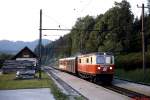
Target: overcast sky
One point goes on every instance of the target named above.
(19, 19)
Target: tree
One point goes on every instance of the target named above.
(118, 32)
(119, 21)
(81, 36)
(3, 57)
(148, 4)
(36, 50)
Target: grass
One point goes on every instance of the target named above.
(79, 98)
(7, 81)
(136, 75)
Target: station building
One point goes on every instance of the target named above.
(26, 54)
(25, 59)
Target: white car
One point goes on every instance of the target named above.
(27, 74)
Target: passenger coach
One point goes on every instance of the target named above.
(68, 64)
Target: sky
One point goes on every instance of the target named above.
(19, 19)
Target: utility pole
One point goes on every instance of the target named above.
(40, 43)
(143, 39)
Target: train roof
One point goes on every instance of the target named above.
(68, 58)
(96, 53)
(84, 55)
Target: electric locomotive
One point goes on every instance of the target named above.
(94, 66)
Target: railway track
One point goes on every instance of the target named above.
(141, 83)
(126, 92)
(69, 91)
(123, 91)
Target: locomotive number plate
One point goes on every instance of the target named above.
(105, 68)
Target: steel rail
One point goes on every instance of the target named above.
(123, 91)
(67, 87)
(126, 92)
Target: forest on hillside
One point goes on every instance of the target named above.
(117, 31)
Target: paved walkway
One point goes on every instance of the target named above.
(88, 89)
(26, 94)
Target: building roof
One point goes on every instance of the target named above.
(25, 53)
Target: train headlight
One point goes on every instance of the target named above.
(110, 68)
(99, 68)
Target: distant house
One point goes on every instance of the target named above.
(26, 54)
(25, 59)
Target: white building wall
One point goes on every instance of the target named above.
(29, 59)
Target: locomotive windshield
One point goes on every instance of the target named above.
(105, 59)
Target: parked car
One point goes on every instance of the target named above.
(26, 74)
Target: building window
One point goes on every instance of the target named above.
(26, 56)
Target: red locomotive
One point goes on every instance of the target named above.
(94, 66)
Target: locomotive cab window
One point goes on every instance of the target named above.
(105, 59)
(109, 60)
(100, 60)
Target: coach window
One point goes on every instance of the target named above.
(87, 60)
(79, 60)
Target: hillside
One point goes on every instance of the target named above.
(7, 46)
(117, 31)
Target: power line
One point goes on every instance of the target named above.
(51, 35)
(71, 29)
(59, 24)
(86, 5)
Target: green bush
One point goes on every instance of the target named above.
(4, 57)
(134, 75)
(131, 61)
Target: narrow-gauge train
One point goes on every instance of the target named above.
(94, 66)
